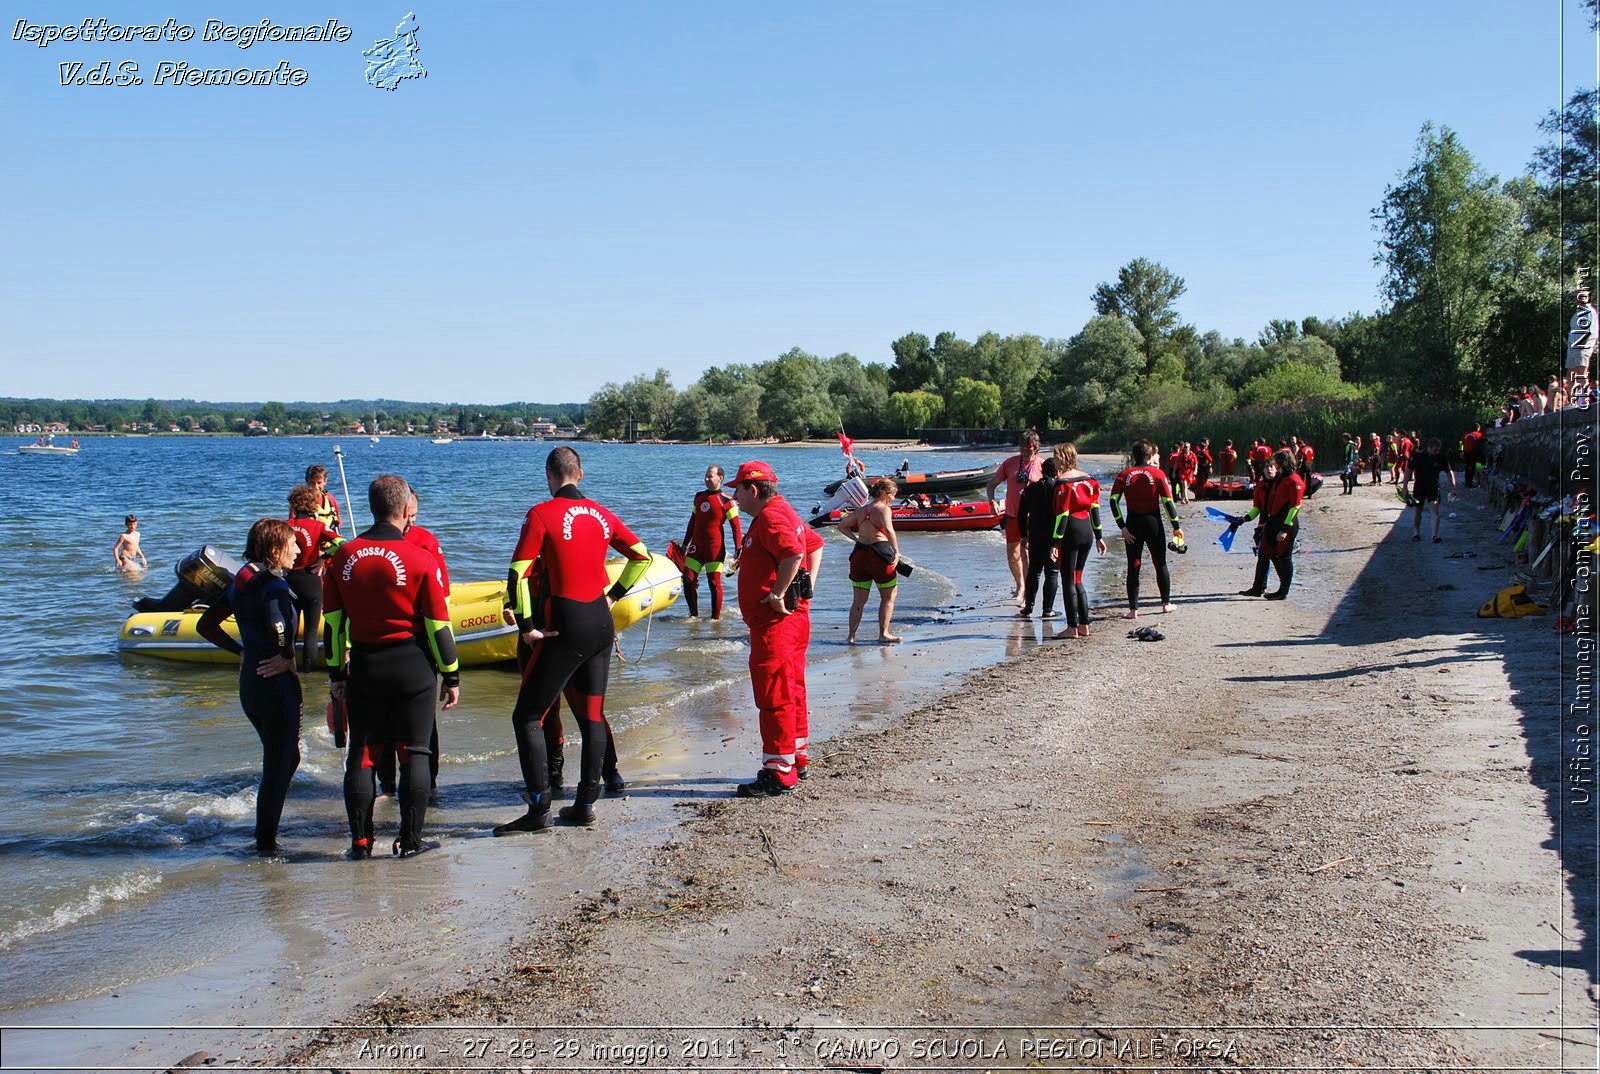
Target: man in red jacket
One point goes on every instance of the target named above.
(770, 562)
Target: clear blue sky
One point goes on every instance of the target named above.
(581, 192)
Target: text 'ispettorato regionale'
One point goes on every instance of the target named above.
(179, 72)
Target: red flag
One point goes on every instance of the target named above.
(846, 444)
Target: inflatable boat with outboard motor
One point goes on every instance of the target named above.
(166, 628)
(945, 481)
(921, 513)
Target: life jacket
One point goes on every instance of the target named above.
(1511, 602)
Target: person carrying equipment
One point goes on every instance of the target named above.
(1147, 492)
(1422, 476)
(703, 547)
(567, 537)
(874, 558)
(1276, 502)
(385, 604)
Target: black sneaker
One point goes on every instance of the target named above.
(802, 771)
(1416, 537)
(528, 822)
(1438, 540)
(1278, 594)
(360, 849)
(1251, 592)
(410, 848)
(765, 785)
(615, 784)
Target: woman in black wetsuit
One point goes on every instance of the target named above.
(261, 602)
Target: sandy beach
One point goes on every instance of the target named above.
(1326, 832)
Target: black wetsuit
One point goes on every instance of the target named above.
(1036, 521)
(1426, 470)
(264, 608)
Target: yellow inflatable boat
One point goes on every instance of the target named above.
(482, 637)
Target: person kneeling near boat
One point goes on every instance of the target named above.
(873, 560)
(1277, 503)
(260, 601)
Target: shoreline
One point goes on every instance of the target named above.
(1192, 836)
(1075, 835)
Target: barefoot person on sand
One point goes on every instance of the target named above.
(1015, 474)
(1146, 490)
(873, 559)
(1077, 508)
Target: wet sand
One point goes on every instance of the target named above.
(1343, 811)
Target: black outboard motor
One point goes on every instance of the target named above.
(202, 576)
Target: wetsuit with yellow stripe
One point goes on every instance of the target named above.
(1146, 492)
(566, 537)
(1277, 504)
(386, 609)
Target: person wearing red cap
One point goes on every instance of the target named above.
(774, 552)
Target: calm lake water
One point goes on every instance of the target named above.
(129, 783)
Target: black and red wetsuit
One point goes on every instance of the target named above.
(1146, 490)
(1036, 519)
(567, 537)
(316, 542)
(385, 604)
(703, 547)
(1276, 503)
(262, 604)
(426, 541)
(1077, 511)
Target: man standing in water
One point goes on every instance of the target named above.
(384, 601)
(874, 558)
(774, 551)
(703, 547)
(1016, 473)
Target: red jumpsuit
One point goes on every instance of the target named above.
(777, 642)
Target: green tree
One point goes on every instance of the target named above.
(911, 411)
(1145, 295)
(1293, 382)
(1568, 167)
(914, 367)
(974, 402)
(1017, 361)
(1444, 231)
(858, 396)
(273, 415)
(1097, 370)
(795, 401)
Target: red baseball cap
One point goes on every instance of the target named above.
(755, 471)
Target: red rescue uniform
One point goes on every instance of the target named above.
(777, 642)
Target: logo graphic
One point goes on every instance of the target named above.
(169, 629)
(391, 62)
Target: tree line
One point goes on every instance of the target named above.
(383, 416)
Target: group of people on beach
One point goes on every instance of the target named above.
(383, 599)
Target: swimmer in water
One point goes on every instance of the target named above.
(127, 549)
